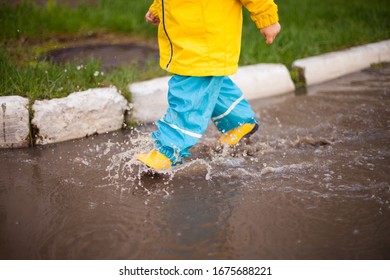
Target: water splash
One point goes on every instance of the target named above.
(125, 171)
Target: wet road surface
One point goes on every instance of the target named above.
(313, 183)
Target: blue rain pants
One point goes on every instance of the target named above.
(193, 101)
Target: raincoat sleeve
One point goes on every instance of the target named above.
(155, 8)
(263, 12)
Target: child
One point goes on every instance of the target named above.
(199, 42)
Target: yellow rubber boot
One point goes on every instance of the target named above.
(155, 160)
(232, 137)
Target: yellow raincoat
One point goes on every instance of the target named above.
(203, 37)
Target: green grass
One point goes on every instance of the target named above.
(28, 19)
(312, 27)
(309, 27)
(46, 80)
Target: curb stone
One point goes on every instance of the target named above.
(318, 69)
(14, 122)
(149, 99)
(78, 115)
(263, 80)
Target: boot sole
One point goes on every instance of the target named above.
(250, 133)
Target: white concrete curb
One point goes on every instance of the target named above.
(14, 122)
(256, 81)
(263, 80)
(149, 99)
(78, 115)
(332, 65)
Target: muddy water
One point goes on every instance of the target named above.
(312, 184)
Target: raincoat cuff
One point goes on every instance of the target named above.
(155, 8)
(265, 20)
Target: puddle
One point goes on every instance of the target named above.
(110, 55)
(313, 183)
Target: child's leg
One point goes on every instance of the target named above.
(191, 104)
(232, 109)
